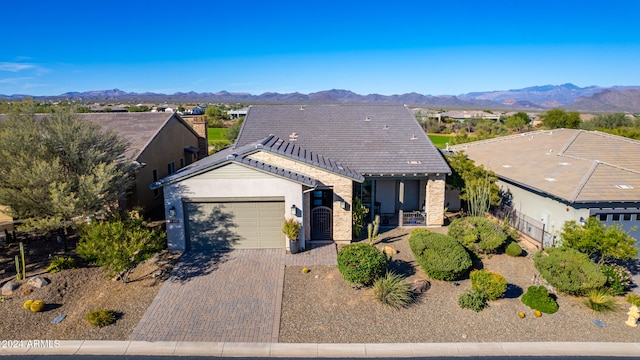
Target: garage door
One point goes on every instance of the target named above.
(237, 225)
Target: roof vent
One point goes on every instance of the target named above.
(414, 162)
(624, 187)
(366, 118)
(564, 163)
(551, 179)
(414, 137)
(293, 137)
(301, 107)
(386, 127)
(506, 166)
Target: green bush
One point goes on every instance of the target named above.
(538, 298)
(120, 243)
(568, 270)
(392, 290)
(472, 300)
(361, 263)
(61, 263)
(598, 300)
(489, 284)
(101, 318)
(618, 278)
(633, 299)
(440, 256)
(513, 249)
(477, 234)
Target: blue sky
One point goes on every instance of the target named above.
(392, 47)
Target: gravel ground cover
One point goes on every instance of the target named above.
(320, 307)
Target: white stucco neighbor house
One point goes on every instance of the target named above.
(553, 176)
(309, 163)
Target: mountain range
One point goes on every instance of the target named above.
(536, 98)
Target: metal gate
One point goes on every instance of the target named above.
(321, 223)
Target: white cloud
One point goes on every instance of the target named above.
(15, 67)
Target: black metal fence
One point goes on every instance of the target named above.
(525, 224)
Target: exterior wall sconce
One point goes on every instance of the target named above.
(582, 221)
(172, 211)
(343, 204)
(294, 210)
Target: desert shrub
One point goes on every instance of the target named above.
(392, 290)
(618, 278)
(599, 300)
(37, 306)
(27, 304)
(361, 263)
(120, 243)
(477, 234)
(59, 263)
(489, 284)
(101, 318)
(633, 299)
(538, 298)
(440, 256)
(568, 270)
(472, 300)
(513, 249)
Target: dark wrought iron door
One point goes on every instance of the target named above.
(321, 223)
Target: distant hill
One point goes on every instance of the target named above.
(536, 98)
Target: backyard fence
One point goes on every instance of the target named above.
(525, 224)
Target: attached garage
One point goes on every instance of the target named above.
(237, 224)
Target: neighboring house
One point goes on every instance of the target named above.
(161, 143)
(236, 114)
(6, 221)
(462, 115)
(553, 176)
(307, 162)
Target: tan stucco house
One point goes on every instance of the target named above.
(307, 162)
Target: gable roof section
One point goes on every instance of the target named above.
(271, 144)
(369, 139)
(138, 129)
(576, 166)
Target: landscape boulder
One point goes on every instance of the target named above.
(37, 282)
(9, 287)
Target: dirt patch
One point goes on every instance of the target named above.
(320, 307)
(74, 293)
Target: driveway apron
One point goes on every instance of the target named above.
(221, 297)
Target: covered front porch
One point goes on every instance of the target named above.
(403, 201)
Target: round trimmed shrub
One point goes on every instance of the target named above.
(538, 298)
(27, 304)
(489, 284)
(37, 306)
(569, 270)
(440, 256)
(472, 300)
(101, 318)
(513, 249)
(361, 263)
(478, 234)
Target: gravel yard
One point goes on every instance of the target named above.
(320, 307)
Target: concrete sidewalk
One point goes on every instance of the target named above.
(276, 350)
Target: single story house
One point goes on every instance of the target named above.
(549, 177)
(309, 162)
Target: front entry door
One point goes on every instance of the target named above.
(322, 214)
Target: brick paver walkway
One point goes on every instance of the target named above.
(236, 298)
(320, 254)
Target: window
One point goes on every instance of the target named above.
(626, 217)
(616, 217)
(602, 217)
(156, 192)
(171, 168)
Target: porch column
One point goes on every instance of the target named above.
(435, 199)
(373, 201)
(401, 201)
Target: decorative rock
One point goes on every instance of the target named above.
(37, 282)
(9, 287)
(420, 286)
(389, 250)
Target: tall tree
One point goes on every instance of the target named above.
(558, 118)
(517, 121)
(61, 169)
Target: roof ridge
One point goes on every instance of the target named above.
(570, 142)
(501, 138)
(584, 180)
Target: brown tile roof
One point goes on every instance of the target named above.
(573, 165)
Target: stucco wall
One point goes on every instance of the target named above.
(342, 190)
(167, 146)
(207, 186)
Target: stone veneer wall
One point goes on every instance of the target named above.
(435, 200)
(342, 190)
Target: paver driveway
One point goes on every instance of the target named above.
(221, 297)
(225, 297)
